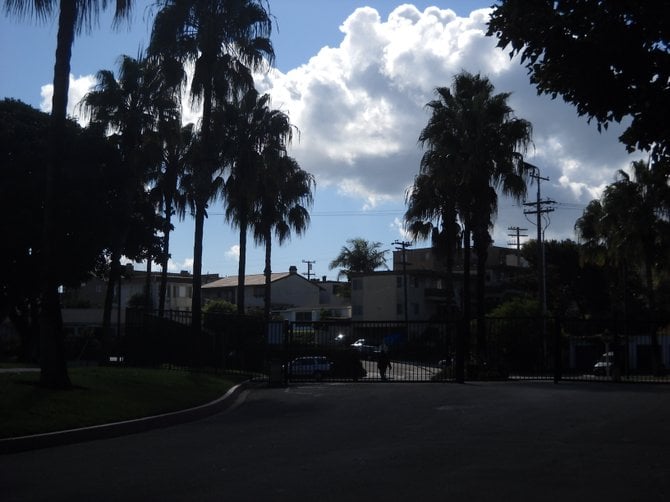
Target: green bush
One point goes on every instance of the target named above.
(220, 307)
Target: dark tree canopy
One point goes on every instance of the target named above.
(83, 212)
(609, 59)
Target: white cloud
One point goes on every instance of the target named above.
(398, 225)
(186, 264)
(79, 86)
(233, 253)
(360, 107)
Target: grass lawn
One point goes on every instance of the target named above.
(101, 395)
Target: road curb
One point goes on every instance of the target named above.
(115, 429)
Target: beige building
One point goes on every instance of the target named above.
(83, 306)
(382, 296)
(293, 296)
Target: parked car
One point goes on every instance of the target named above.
(604, 365)
(310, 367)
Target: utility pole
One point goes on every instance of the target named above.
(402, 246)
(517, 233)
(541, 207)
(309, 273)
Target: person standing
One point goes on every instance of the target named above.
(383, 364)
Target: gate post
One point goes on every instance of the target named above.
(557, 350)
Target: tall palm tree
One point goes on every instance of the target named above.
(252, 130)
(177, 146)
(73, 16)
(285, 194)
(361, 256)
(224, 40)
(627, 228)
(432, 214)
(473, 143)
(129, 107)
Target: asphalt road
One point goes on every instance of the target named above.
(378, 441)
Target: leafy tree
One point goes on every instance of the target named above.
(73, 16)
(224, 40)
(575, 288)
(609, 59)
(361, 256)
(285, 194)
(84, 185)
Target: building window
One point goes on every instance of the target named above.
(416, 282)
(415, 308)
(357, 310)
(356, 284)
(398, 308)
(259, 291)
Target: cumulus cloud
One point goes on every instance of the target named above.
(79, 86)
(360, 107)
(361, 104)
(233, 253)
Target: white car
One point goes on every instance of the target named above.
(310, 366)
(604, 365)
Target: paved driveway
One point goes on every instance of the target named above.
(384, 441)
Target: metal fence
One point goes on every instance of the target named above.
(500, 349)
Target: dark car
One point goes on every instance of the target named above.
(310, 367)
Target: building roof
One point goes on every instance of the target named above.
(249, 280)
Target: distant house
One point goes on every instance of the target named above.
(83, 305)
(294, 297)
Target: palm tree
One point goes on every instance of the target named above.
(627, 228)
(432, 214)
(361, 256)
(177, 146)
(130, 108)
(285, 193)
(224, 39)
(251, 128)
(473, 142)
(73, 16)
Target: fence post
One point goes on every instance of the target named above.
(286, 330)
(557, 350)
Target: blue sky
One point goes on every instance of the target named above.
(354, 77)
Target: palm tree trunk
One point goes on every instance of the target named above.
(241, 269)
(482, 254)
(112, 281)
(196, 298)
(464, 332)
(53, 367)
(165, 255)
(148, 300)
(267, 298)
